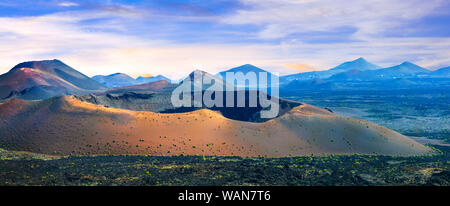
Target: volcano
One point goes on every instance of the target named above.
(43, 79)
(66, 125)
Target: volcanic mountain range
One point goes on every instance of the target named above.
(43, 79)
(121, 80)
(85, 117)
(362, 70)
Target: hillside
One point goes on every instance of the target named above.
(442, 72)
(44, 79)
(65, 125)
(58, 68)
(160, 101)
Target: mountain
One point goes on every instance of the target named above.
(159, 100)
(442, 72)
(142, 80)
(315, 84)
(199, 83)
(67, 126)
(351, 75)
(43, 79)
(115, 80)
(359, 64)
(406, 69)
(306, 76)
(147, 87)
(157, 97)
(122, 80)
(245, 69)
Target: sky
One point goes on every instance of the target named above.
(175, 37)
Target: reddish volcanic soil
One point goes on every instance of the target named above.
(43, 79)
(27, 77)
(65, 125)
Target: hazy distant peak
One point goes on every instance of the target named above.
(115, 80)
(446, 69)
(357, 64)
(442, 71)
(119, 75)
(407, 63)
(360, 59)
(244, 69)
(248, 66)
(115, 76)
(148, 79)
(410, 67)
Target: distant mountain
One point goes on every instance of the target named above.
(306, 76)
(147, 87)
(315, 84)
(198, 83)
(43, 79)
(143, 80)
(157, 97)
(115, 80)
(123, 80)
(245, 69)
(351, 75)
(442, 72)
(359, 64)
(406, 69)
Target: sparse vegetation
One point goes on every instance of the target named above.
(213, 170)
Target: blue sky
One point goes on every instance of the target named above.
(175, 37)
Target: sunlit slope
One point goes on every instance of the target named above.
(65, 125)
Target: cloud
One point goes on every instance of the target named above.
(68, 4)
(104, 39)
(66, 37)
(371, 18)
(55, 35)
